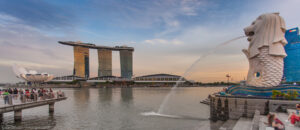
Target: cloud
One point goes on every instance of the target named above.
(28, 46)
(37, 13)
(7, 62)
(189, 7)
(4, 18)
(163, 42)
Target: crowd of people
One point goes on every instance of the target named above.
(294, 119)
(29, 94)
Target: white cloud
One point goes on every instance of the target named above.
(189, 7)
(163, 42)
(8, 18)
(6, 62)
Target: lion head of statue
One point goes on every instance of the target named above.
(267, 30)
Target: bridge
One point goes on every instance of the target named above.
(17, 105)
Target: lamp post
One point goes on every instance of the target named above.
(228, 76)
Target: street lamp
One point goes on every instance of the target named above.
(228, 76)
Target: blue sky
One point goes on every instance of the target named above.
(168, 35)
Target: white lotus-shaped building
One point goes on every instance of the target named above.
(31, 75)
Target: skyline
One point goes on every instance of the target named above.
(168, 35)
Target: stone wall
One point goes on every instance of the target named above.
(224, 108)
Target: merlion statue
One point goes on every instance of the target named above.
(266, 50)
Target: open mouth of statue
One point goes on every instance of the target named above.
(250, 34)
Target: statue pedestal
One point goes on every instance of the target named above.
(235, 107)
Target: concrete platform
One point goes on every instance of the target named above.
(281, 116)
(27, 105)
(17, 108)
(243, 124)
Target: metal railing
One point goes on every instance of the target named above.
(14, 99)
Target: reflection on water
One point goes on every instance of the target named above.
(105, 94)
(126, 94)
(81, 97)
(119, 108)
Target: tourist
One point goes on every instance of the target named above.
(10, 91)
(32, 95)
(59, 94)
(46, 94)
(21, 92)
(22, 96)
(27, 94)
(40, 93)
(274, 122)
(294, 118)
(51, 93)
(15, 92)
(6, 98)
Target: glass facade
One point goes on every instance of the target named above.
(126, 63)
(292, 61)
(81, 62)
(87, 70)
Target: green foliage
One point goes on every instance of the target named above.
(275, 93)
(290, 95)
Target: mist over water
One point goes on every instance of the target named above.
(187, 72)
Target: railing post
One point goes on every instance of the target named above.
(18, 115)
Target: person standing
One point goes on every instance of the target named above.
(6, 98)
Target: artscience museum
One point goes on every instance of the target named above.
(31, 76)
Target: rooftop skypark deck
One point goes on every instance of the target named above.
(93, 46)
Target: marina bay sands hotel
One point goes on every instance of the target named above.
(81, 59)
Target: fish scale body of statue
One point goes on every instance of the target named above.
(266, 50)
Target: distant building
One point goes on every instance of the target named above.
(81, 59)
(292, 61)
(81, 62)
(31, 76)
(108, 79)
(126, 64)
(158, 78)
(69, 78)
